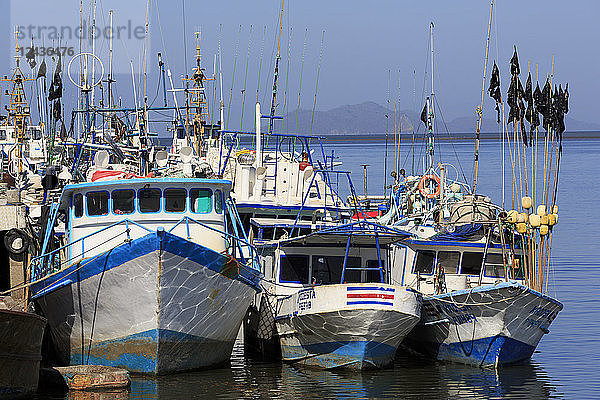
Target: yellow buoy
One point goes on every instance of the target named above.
(521, 227)
(551, 219)
(534, 220)
(543, 230)
(455, 188)
(512, 216)
(555, 209)
(522, 218)
(541, 210)
(526, 202)
(544, 220)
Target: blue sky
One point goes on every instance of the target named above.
(363, 41)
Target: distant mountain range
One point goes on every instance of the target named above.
(370, 117)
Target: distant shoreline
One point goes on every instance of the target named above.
(405, 136)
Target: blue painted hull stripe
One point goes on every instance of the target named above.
(385, 303)
(381, 289)
(341, 354)
(140, 247)
(493, 350)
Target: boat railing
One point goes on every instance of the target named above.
(246, 251)
(326, 174)
(51, 262)
(279, 138)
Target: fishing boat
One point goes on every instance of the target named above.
(482, 269)
(151, 276)
(334, 306)
(477, 307)
(143, 263)
(328, 291)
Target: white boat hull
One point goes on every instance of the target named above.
(159, 304)
(354, 326)
(490, 325)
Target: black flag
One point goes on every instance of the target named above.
(30, 57)
(566, 99)
(531, 114)
(42, 70)
(528, 96)
(545, 106)
(513, 99)
(56, 110)
(55, 91)
(494, 89)
(63, 131)
(424, 115)
(514, 64)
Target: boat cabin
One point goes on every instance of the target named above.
(433, 267)
(101, 214)
(323, 256)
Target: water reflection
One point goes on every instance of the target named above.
(410, 378)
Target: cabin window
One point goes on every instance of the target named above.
(78, 205)
(122, 201)
(328, 269)
(36, 134)
(471, 263)
(175, 200)
(424, 261)
(293, 269)
(494, 266)
(374, 276)
(218, 201)
(449, 261)
(149, 200)
(2, 134)
(180, 132)
(97, 203)
(201, 200)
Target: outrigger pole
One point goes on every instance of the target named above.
(480, 108)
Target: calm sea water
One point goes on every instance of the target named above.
(565, 365)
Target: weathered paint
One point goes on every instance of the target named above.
(490, 325)
(86, 377)
(157, 304)
(323, 326)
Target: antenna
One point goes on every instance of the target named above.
(430, 110)
(277, 58)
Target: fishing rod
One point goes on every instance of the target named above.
(301, 73)
(385, 159)
(317, 82)
(245, 78)
(413, 121)
(237, 42)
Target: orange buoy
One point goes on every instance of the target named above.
(424, 191)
